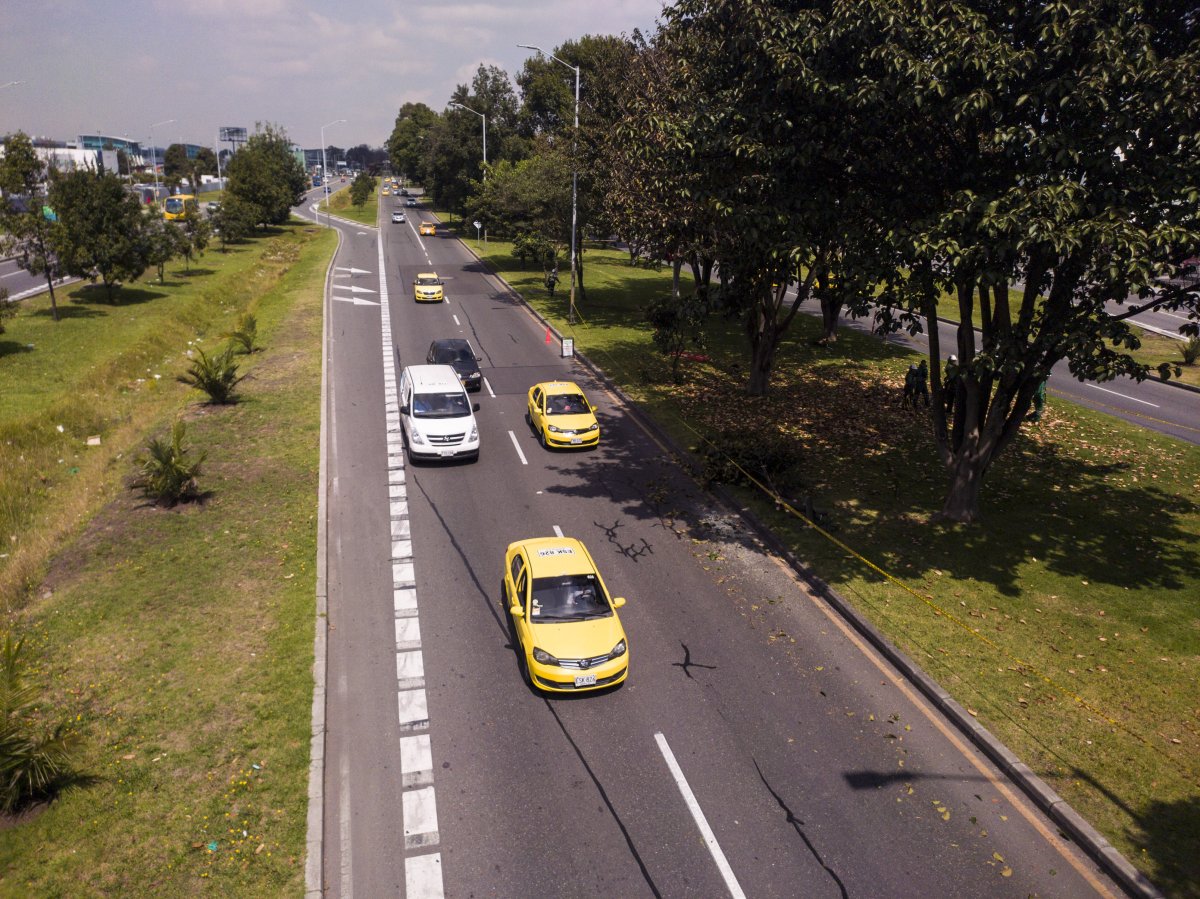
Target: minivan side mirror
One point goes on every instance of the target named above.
(404, 410)
(618, 602)
(475, 407)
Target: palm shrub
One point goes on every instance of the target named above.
(32, 759)
(1191, 351)
(244, 338)
(216, 375)
(168, 474)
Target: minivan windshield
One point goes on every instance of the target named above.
(440, 405)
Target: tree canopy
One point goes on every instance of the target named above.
(266, 175)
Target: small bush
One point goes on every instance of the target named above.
(168, 476)
(729, 457)
(1191, 351)
(216, 375)
(31, 759)
(244, 338)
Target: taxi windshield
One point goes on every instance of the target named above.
(427, 282)
(566, 404)
(569, 597)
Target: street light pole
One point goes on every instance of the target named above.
(154, 155)
(484, 117)
(325, 171)
(574, 174)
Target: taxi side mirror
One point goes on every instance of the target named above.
(618, 602)
(515, 611)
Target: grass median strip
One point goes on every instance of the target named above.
(180, 640)
(1081, 582)
(367, 214)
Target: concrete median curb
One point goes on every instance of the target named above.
(1046, 799)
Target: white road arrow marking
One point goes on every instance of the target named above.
(353, 288)
(356, 301)
(353, 271)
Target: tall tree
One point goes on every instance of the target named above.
(25, 230)
(1063, 159)
(99, 232)
(405, 146)
(175, 163)
(775, 156)
(265, 174)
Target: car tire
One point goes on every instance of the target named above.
(542, 438)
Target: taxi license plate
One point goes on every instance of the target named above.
(585, 680)
(577, 440)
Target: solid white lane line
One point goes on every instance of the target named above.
(557, 531)
(735, 889)
(347, 888)
(488, 385)
(517, 447)
(1124, 396)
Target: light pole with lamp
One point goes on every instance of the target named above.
(484, 117)
(574, 173)
(154, 155)
(325, 170)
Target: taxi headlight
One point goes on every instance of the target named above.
(618, 650)
(554, 428)
(543, 657)
(594, 427)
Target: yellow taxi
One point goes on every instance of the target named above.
(561, 416)
(428, 229)
(568, 634)
(427, 288)
(386, 192)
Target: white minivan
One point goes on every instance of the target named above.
(437, 417)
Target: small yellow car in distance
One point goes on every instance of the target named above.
(428, 229)
(561, 416)
(567, 630)
(427, 288)
(386, 192)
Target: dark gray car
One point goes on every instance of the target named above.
(459, 353)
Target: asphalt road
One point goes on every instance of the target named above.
(1166, 408)
(758, 747)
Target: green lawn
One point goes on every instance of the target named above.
(367, 214)
(178, 641)
(1067, 621)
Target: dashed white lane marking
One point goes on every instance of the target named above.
(557, 531)
(517, 446)
(456, 321)
(488, 385)
(422, 872)
(423, 876)
(1124, 396)
(710, 840)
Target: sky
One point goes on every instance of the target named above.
(121, 67)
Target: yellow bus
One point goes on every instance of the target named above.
(176, 207)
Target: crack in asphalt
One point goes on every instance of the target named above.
(604, 795)
(462, 555)
(799, 827)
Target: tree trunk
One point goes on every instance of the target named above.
(764, 341)
(831, 310)
(53, 300)
(581, 294)
(962, 499)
